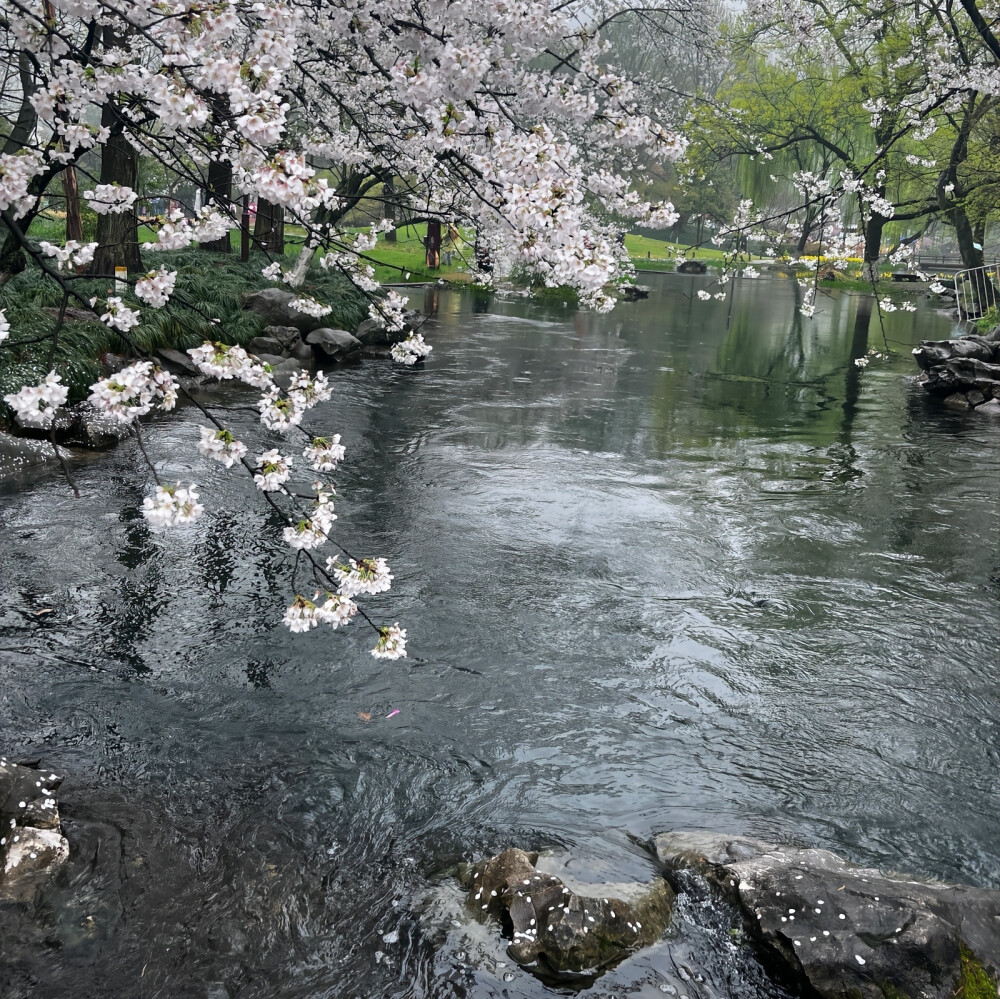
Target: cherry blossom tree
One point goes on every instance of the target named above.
(504, 116)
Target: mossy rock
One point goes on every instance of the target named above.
(973, 981)
(562, 934)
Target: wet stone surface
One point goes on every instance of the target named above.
(847, 930)
(558, 932)
(32, 846)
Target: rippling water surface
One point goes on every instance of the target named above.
(679, 566)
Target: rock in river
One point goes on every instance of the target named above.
(847, 932)
(31, 845)
(558, 933)
(333, 344)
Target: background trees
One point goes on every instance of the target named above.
(889, 107)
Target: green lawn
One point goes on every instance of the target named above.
(403, 261)
(653, 254)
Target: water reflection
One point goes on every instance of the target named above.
(681, 565)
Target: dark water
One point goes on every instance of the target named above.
(679, 566)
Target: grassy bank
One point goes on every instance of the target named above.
(210, 285)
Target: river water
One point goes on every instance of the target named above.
(680, 566)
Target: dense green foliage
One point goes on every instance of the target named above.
(213, 287)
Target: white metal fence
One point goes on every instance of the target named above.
(975, 290)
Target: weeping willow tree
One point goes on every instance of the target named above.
(790, 120)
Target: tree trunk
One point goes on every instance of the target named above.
(297, 276)
(432, 244)
(389, 206)
(269, 227)
(951, 194)
(219, 191)
(219, 186)
(71, 194)
(873, 246)
(966, 238)
(117, 233)
(12, 260)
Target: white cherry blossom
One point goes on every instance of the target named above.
(272, 471)
(172, 505)
(221, 446)
(324, 453)
(391, 643)
(35, 405)
(368, 575)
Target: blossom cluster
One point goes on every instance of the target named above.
(309, 306)
(325, 608)
(368, 575)
(312, 531)
(323, 453)
(225, 362)
(156, 287)
(412, 349)
(220, 445)
(282, 412)
(134, 391)
(118, 315)
(71, 254)
(110, 199)
(35, 405)
(273, 471)
(170, 506)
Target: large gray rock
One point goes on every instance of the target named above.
(31, 845)
(851, 932)
(18, 454)
(965, 372)
(273, 307)
(266, 345)
(273, 359)
(558, 932)
(285, 335)
(175, 361)
(372, 334)
(931, 352)
(301, 351)
(334, 345)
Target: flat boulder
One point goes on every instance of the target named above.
(333, 344)
(18, 454)
(559, 932)
(849, 932)
(177, 362)
(283, 372)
